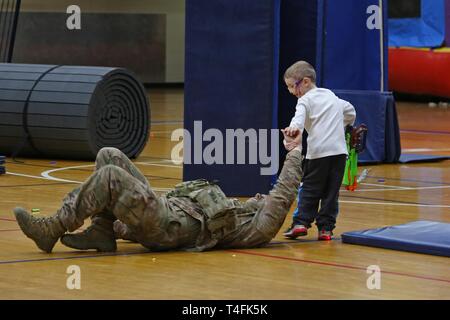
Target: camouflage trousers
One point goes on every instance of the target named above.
(116, 190)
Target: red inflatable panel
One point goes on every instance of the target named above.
(420, 71)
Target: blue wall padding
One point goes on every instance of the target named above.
(428, 237)
(237, 52)
(231, 79)
(376, 110)
(298, 41)
(351, 51)
(426, 31)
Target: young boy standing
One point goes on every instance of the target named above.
(324, 116)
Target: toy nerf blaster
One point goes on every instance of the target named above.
(356, 143)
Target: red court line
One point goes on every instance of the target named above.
(235, 251)
(338, 265)
(7, 219)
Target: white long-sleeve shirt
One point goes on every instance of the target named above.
(324, 116)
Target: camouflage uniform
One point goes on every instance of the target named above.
(195, 215)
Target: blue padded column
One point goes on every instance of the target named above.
(298, 41)
(231, 82)
(377, 110)
(354, 57)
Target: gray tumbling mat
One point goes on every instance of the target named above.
(71, 112)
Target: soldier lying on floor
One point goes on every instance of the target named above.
(195, 215)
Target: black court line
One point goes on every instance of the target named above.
(167, 122)
(36, 185)
(147, 158)
(160, 138)
(253, 253)
(156, 178)
(99, 255)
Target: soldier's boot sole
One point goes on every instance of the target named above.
(94, 238)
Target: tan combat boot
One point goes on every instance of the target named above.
(99, 235)
(44, 231)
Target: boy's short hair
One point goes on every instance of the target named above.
(300, 70)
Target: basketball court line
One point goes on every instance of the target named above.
(411, 180)
(50, 178)
(167, 122)
(424, 132)
(152, 177)
(251, 253)
(35, 185)
(159, 160)
(385, 187)
(403, 189)
(7, 219)
(395, 204)
(387, 200)
(420, 150)
(382, 185)
(159, 165)
(37, 177)
(47, 176)
(339, 265)
(156, 178)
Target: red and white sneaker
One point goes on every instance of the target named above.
(325, 235)
(296, 231)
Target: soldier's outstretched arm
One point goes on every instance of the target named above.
(269, 219)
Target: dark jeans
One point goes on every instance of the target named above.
(321, 183)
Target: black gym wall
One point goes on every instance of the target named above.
(145, 36)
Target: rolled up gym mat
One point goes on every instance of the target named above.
(71, 111)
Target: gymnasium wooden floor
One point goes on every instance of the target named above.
(302, 269)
